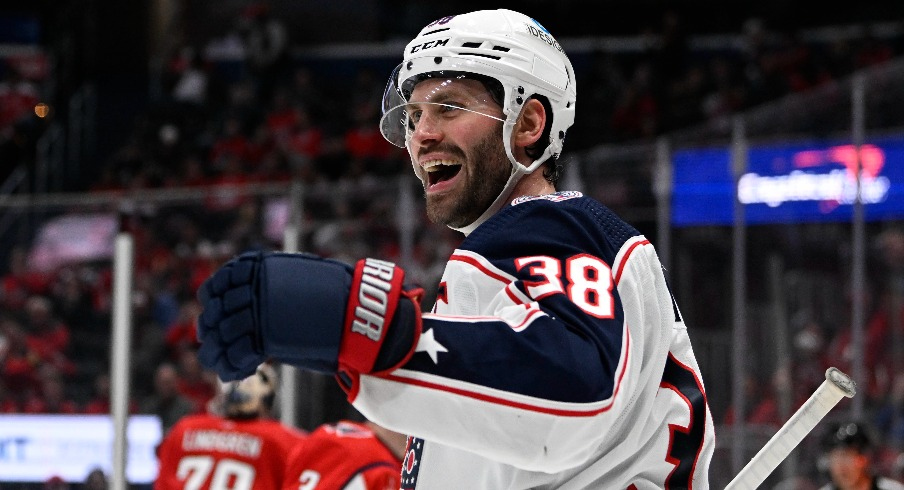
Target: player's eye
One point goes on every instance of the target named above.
(414, 116)
(451, 108)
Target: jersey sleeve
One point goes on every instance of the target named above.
(529, 353)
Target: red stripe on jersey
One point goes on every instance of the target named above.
(481, 267)
(510, 292)
(621, 265)
(519, 405)
(527, 319)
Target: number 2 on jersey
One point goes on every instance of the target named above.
(589, 281)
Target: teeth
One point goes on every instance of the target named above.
(434, 165)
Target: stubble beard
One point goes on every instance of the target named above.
(485, 180)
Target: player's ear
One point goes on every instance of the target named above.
(531, 122)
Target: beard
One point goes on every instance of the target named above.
(489, 170)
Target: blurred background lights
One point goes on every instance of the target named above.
(42, 110)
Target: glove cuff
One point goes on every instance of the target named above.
(382, 323)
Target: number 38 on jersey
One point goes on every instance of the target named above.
(585, 279)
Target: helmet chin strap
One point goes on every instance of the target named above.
(518, 172)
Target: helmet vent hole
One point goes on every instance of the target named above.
(471, 44)
(434, 32)
(501, 48)
(481, 55)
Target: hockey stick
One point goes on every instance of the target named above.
(829, 393)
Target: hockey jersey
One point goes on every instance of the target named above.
(342, 456)
(554, 357)
(210, 452)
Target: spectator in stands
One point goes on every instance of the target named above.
(762, 407)
(52, 397)
(195, 382)
(99, 403)
(368, 152)
(96, 480)
(305, 141)
(18, 96)
(20, 282)
(72, 299)
(182, 336)
(56, 483)
(849, 449)
(306, 91)
(231, 140)
(190, 87)
(8, 403)
(890, 414)
(167, 402)
(884, 336)
(266, 46)
(19, 361)
(636, 114)
(227, 196)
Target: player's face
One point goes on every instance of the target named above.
(847, 467)
(457, 145)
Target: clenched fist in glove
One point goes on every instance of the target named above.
(310, 312)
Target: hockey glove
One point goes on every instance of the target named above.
(310, 312)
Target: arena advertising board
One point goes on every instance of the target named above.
(36, 448)
(789, 183)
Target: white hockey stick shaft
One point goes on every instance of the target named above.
(836, 386)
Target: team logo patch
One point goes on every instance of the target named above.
(412, 462)
(554, 197)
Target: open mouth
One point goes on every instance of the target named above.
(441, 172)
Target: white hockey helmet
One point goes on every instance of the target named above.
(504, 45)
(252, 396)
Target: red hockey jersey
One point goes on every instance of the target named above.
(211, 452)
(344, 456)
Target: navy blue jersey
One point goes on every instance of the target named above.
(555, 357)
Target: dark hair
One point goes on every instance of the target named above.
(851, 435)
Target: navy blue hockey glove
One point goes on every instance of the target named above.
(310, 312)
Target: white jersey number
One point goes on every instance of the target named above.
(589, 281)
(308, 480)
(194, 470)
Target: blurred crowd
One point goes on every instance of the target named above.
(222, 126)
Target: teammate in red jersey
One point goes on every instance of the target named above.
(243, 449)
(347, 456)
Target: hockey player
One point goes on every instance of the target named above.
(849, 452)
(554, 355)
(347, 455)
(243, 449)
